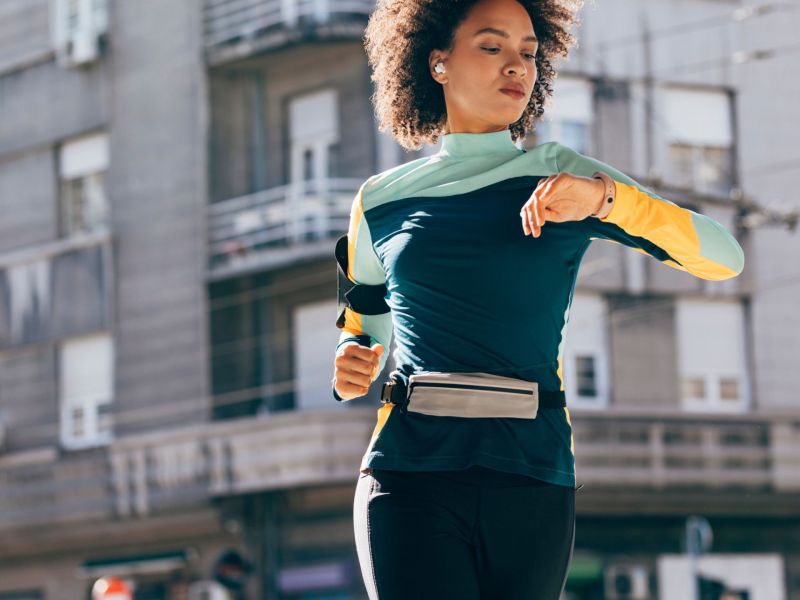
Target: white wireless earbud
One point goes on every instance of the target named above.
(439, 68)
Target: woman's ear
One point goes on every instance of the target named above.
(436, 64)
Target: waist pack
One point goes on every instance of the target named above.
(477, 395)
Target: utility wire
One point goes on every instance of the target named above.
(737, 58)
(737, 15)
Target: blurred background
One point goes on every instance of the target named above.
(173, 176)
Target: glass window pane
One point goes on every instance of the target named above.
(586, 376)
(84, 205)
(104, 417)
(77, 417)
(681, 165)
(713, 172)
(729, 388)
(694, 388)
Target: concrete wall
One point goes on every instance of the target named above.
(158, 187)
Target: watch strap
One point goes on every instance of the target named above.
(610, 189)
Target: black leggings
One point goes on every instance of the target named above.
(466, 535)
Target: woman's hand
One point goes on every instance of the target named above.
(561, 197)
(355, 366)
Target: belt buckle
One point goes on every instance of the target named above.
(394, 391)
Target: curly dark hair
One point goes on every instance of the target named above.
(399, 37)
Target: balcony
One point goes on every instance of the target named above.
(169, 470)
(238, 28)
(628, 463)
(713, 462)
(277, 226)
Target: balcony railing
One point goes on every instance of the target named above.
(251, 24)
(616, 451)
(683, 450)
(293, 215)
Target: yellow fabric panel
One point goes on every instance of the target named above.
(352, 322)
(571, 436)
(566, 410)
(383, 415)
(668, 226)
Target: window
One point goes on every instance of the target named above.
(86, 390)
(699, 139)
(587, 378)
(584, 353)
(313, 139)
(694, 388)
(711, 356)
(314, 343)
(84, 206)
(568, 115)
(729, 388)
(313, 128)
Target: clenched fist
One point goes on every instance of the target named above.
(355, 367)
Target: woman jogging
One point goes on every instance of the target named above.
(469, 259)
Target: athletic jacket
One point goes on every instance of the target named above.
(468, 291)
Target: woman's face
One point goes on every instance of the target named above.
(495, 47)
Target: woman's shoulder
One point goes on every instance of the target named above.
(397, 181)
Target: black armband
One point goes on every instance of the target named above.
(359, 297)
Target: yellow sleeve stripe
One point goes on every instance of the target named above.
(672, 228)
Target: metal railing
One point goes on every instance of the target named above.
(280, 217)
(684, 450)
(232, 21)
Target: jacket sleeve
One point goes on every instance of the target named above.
(363, 267)
(640, 219)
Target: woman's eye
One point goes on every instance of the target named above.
(528, 54)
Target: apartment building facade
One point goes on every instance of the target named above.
(173, 177)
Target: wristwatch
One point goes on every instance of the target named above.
(610, 191)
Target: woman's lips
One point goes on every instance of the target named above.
(514, 94)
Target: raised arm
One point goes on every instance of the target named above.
(362, 314)
(677, 236)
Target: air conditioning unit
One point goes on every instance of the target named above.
(626, 582)
(79, 27)
(81, 48)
